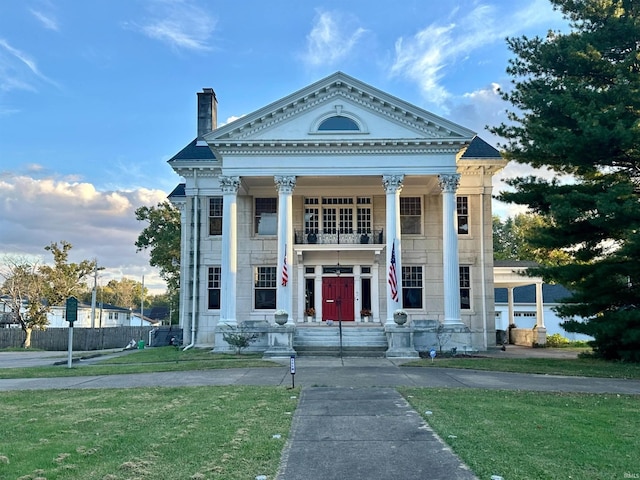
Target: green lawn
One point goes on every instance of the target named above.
(534, 435)
(147, 433)
(161, 359)
(586, 367)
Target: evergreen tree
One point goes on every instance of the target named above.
(576, 99)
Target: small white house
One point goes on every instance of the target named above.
(106, 315)
(524, 309)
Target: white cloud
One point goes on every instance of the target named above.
(179, 23)
(430, 55)
(331, 39)
(99, 224)
(18, 71)
(48, 20)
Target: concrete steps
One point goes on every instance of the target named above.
(325, 341)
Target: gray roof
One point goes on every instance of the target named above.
(179, 191)
(527, 294)
(194, 152)
(478, 148)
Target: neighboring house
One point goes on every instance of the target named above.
(524, 309)
(106, 315)
(341, 198)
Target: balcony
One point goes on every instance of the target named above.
(340, 238)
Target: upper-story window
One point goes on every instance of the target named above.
(410, 215)
(462, 210)
(215, 216)
(338, 123)
(266, 219)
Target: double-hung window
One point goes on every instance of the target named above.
(410, 215)
(265, 288)
(412, 286)
(213, 288)
(364, 215)
(465, 287)
(462, 210)
(215, 216)
(266, 217)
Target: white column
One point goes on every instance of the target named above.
(229, 250)
(284, 291)
(392, 187)
(184, 265)
(451, 264)
(539, 304)
(510, 306)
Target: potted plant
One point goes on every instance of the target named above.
(310, 313)
(312, 237)
(400, 316)
(281, 316)
(365, 314)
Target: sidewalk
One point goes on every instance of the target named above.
(364, 433)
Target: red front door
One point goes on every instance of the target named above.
(337, 299)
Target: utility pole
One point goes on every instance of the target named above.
(94, 293)
(142, 301)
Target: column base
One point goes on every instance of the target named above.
(400, 341)
(280, 341)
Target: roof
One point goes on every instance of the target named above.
(179, 191)
(478, 148)
(527, 294)
(194, 152)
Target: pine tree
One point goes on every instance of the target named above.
(576, 99)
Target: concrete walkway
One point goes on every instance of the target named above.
(364, 433)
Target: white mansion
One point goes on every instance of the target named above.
(339, 204)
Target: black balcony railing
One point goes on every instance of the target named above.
(334, 238)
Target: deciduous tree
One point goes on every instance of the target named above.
(162, 237)
(576, 99)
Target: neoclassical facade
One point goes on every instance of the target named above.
(337, 203)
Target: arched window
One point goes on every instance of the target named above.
(338, 123)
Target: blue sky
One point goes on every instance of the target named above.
(96, 95)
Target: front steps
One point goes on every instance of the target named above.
(357, 341)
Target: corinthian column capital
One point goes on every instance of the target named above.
(392, 183)
(229, 184)
(285, 183)
(449, 182)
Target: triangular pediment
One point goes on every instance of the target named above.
(339, 109)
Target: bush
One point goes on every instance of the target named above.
(556, 340)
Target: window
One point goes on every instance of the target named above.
(338, 122)
(215, 216)
(412, 287)
(462, 209)
(410, 215)
(465, 288)
(311, 218)
(213, 288)
(337, 219)
(364, 215)
(266, 220)
(265, 288)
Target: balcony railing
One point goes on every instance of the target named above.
(310, 238)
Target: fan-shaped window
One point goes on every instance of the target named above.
(338, 122)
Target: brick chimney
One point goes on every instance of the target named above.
(207, 113)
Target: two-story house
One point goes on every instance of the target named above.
(336, 200)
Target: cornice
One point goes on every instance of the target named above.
(280, 113)
(341, 147)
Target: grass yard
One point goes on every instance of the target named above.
(533, 435)
(585, 367)
(160, 359)
(150, 433)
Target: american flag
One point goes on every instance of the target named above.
(285, 274)
(393, 279)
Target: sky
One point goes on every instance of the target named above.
(97, 95)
